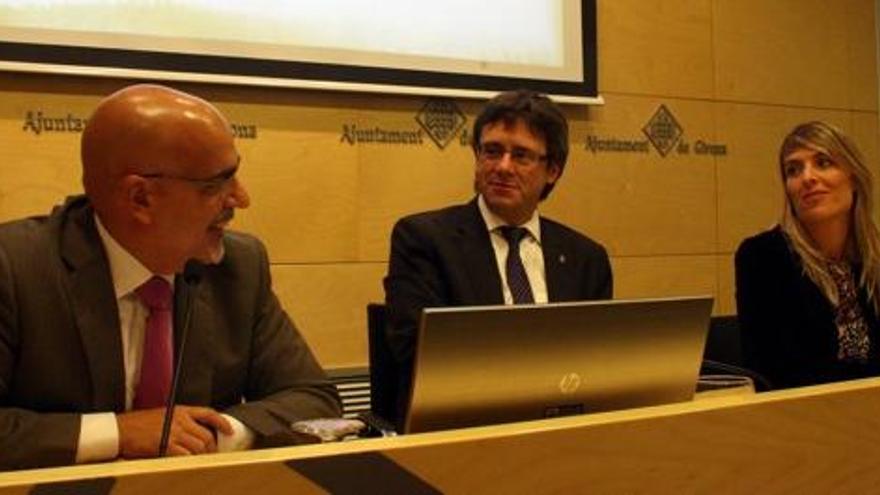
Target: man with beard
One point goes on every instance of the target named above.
(89, 294)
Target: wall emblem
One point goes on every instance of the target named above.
(663, 130)
(569, 383)
(663, 133)
(441, 119)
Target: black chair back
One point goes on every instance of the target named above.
(723, 353)
(384, 373)
(723, 342)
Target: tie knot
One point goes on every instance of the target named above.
(155, 293)
(513, 234)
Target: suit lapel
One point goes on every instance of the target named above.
(561, 283)
(90, 290)
(479, 258)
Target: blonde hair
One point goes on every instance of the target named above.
(863, 242)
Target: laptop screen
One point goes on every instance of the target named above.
(481, 365)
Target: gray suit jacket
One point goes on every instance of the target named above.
(61, 350)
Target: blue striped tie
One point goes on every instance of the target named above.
(517, 280)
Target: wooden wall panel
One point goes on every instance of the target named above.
(725, 302)
(796, 52)
(400, 180)
(38, 168)
(664, 276)
(656, 48)
(862, 55)
(303, 183)
(343, 195)
(303, 186)
(414, 180)
(865, 131)
(640, 203)
(328, 304)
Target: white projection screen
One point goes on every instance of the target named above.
(466, 48)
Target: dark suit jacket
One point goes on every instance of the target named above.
(61, 350)
(445, 258)
(787, 324)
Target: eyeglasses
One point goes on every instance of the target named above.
(210, 185)
(493, 153)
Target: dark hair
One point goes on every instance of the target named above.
(539, 113)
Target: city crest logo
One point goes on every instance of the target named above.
(441, 119)
(663, 130)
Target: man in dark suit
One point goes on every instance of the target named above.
(84, 357)
(495, 249)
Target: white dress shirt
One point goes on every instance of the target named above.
(529, 250)
(99, 432)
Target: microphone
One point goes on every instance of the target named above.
(192, 275)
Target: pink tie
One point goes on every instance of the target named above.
(152, 391)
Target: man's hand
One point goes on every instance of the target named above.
(192, 431)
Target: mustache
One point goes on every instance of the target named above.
(225, 216)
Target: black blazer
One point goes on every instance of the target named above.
(61, 350)
(445, 258)
(787, 324)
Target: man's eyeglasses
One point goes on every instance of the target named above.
(209, 185)
(493, 153)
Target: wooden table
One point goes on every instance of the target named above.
(810, 440)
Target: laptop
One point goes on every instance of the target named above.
(480, 365)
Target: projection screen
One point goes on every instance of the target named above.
(451, 47)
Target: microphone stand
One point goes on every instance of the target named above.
(192, 275)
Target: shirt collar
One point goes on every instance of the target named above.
(126, 271)
(493, 221)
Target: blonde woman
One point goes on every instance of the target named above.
(807, 290)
